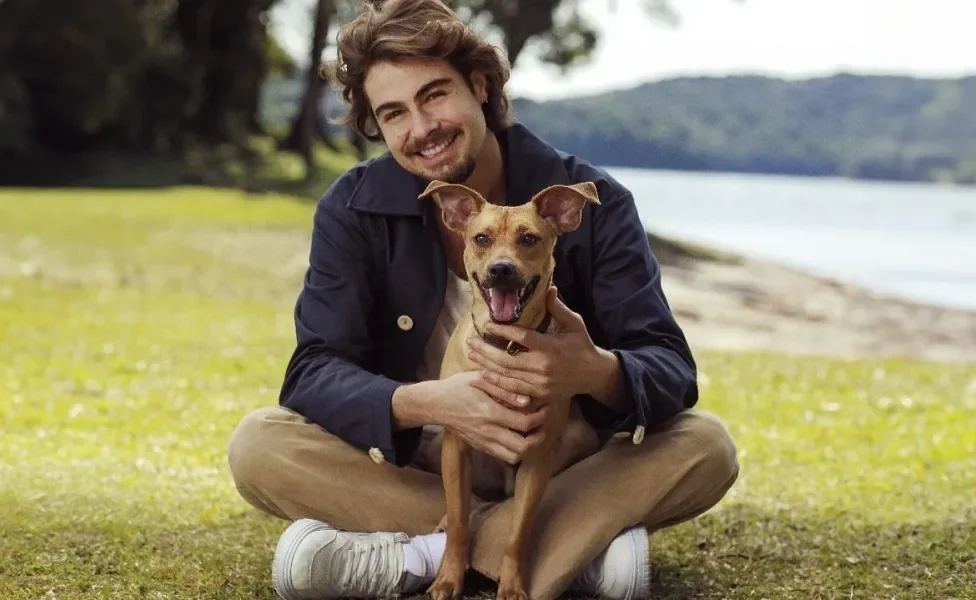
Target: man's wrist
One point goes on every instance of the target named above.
(412, 405)
(608, 382)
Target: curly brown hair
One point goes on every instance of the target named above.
(397, 29)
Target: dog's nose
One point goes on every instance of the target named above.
(501, 271)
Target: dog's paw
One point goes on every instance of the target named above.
(448, 585)
(512, 590)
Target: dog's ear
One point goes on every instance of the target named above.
(458, 203)
(562, 205)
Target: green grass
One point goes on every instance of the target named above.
(139, 326)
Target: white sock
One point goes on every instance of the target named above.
(421, 559)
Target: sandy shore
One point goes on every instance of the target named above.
(726, 302)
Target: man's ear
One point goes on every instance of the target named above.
(458, 203)
(479, 86)
(562, 205)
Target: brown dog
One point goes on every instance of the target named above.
(509, 262)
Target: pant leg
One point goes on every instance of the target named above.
(678, 472)
(289, 467)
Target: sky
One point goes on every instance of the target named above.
(786, 38)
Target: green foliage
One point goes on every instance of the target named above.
(145, 77)
(140, 327)
(569, 43)
(881, 127)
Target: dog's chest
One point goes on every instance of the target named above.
(490, 477)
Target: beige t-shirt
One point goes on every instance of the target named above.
(457, 303)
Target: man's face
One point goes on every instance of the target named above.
(430, 118)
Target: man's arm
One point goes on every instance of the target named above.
(652, 375)
(327, 379)
(609, 386)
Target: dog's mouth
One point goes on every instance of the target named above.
(506, 302)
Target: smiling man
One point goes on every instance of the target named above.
(347, 454)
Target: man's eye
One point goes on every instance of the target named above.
(391, 114)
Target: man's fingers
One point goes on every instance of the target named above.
(501, 453)
(513, 445)
(525, 422)
(499, 393)
(525, 389)
(500, 361)
(563, 318)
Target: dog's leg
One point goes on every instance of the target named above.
(456, 468)
(533, 475)
(578, 441)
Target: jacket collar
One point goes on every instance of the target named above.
(530, 166)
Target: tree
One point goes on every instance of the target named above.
(308, 121)
(132, 77)
(565, 42)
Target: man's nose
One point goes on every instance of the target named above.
(421, 125)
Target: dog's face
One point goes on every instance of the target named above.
(508, 250)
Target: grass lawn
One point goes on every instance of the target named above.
(139, 326)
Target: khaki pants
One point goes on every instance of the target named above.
(286, 466)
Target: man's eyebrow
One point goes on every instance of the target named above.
(423, 90)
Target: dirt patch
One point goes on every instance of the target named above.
(757, 305)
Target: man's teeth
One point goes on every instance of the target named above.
(428, 152)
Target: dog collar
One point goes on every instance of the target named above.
(510, 346)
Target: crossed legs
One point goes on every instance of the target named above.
(286, 466)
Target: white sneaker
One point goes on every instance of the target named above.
(622, 572)
(314, 560)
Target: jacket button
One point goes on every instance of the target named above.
(638, 434)
(404, 322)
(377, 455)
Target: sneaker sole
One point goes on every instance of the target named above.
(284, 555)
(642, 552)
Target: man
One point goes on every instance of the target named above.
(345, 455)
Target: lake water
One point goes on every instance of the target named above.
(916, 241)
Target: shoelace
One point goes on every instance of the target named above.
(372, 567)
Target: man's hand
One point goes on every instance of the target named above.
(559, 364)
(463, 405)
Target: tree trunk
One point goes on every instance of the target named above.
(308, 122)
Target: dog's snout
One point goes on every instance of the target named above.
(501, 271)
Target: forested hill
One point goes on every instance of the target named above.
(877, 127)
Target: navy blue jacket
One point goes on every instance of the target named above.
(376, 283)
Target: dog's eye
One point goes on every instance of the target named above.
(527, 239)
(482, 239)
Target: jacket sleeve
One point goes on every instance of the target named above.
(327, 379)
(659, 370)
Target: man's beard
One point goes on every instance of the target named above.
(458, 173)
(461, 172)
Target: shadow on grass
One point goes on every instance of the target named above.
(258, 168)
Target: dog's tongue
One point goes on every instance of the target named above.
(503, 304)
